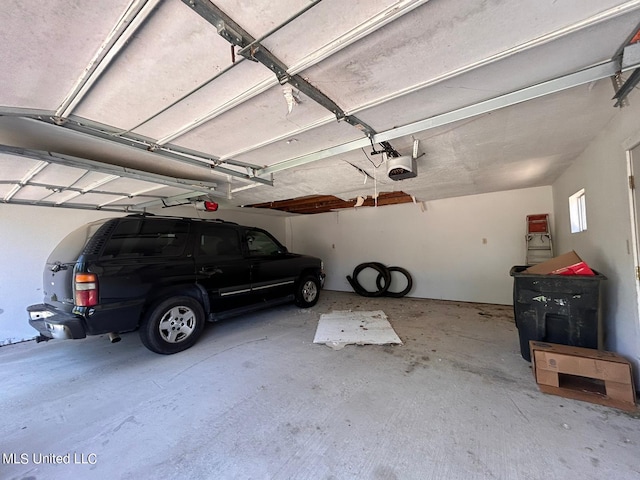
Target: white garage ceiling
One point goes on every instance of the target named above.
(127, 104)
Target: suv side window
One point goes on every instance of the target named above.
(261, 244)
(219, 242)
(148, 238)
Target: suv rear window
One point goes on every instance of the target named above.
(147, 238)
(68, 250)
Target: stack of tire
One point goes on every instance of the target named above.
(383, 280)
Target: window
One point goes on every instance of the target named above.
(216, 241)
(578, 212)
(262, 244)
(148, 238)
(68, 250)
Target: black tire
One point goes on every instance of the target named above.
(307, 291)
(389, 293)
(172, 325)
(382, 271)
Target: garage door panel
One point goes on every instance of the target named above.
(16, 168)
(31, 193)
(59, 175)
(172, 53)
(92, 199)
(214, 96)
(296, 144)
(34, 74)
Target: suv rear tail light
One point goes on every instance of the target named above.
(86, 287)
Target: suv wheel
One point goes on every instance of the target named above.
(308, 291)
(173, 325)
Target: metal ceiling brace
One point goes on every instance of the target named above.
(140, 194)
(582, 77)
(175, 198)
(197, 187)
(75, 206)
(59, 189)
(236, 35)
(627, 87)
(609, 14)
(630, 55)
(616, 82)
(183, 155)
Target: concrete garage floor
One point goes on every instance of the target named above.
(255, 398)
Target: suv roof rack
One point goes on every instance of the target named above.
(218, 220)
(192, 219)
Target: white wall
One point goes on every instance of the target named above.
(27, 236)
(602, 171)
(442, 247)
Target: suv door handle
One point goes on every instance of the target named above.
(210, 270)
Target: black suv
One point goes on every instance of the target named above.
(165, 276)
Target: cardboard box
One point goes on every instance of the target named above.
(583, 374)
(568, 264)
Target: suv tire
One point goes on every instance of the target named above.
(172, 325)
(308, 291)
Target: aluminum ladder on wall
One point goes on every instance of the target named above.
(539, 246)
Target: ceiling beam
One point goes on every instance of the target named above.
(139, 194)
(529, 93)
(164, 201)
(62, 188)
(111, 134)
(195, 186)
(75, 206)
(189, 157)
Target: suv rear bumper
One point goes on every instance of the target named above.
(55, 324)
